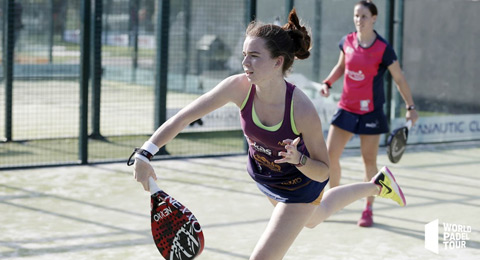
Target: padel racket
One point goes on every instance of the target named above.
(397, 142)
(176, 231)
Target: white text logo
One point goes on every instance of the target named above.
(357, 76)
(455, 236)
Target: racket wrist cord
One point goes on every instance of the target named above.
(146, 152)
(142, 154)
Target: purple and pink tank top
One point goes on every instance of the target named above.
(264, 144)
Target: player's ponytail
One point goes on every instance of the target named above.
(299, 34)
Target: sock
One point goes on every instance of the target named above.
(369, 206)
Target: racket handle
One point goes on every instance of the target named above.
(408, 124)
(153, 185)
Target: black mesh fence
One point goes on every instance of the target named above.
(40, 115)
(123, 101)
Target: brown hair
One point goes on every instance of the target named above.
(370, 5)
(290, 41)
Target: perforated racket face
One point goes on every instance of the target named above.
(397, 144)
(176, 231)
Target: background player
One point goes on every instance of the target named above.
(363, 60)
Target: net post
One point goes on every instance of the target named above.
(161, 64)
(84, 78)
(96, 68)
(390, 10)
(8, 61)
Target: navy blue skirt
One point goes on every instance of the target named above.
(309, 193)
(372, 123)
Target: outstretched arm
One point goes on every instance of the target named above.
(233, 89)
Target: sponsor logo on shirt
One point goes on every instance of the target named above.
(258, 147)
(261, 149)
(364, 105)
(295, 181)
(349, 50)
(264, 162)
(357, 76)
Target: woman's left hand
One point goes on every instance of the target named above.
(412, 115)
(291, 155)
(324, 90)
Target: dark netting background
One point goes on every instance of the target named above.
(129, 92)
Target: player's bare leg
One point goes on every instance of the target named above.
(336, 141)
(338, 197)
(369, 149)
(289, 219)
(285, 224)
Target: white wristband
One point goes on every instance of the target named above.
(150, 147)
(141, 157)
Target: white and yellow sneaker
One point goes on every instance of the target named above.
(388, 186)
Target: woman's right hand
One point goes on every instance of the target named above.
(324, 90)
(142, 171)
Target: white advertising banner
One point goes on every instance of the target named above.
(442, 128)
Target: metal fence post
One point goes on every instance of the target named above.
(399, 48)
(8, 53)
(289, 4)
(96, 67)
(390, 9)
(84, 77)
(133, 6)
(317, 41)
(187, 6)
(50, 31)
(251, 13)
(161, 64)
(251, 10)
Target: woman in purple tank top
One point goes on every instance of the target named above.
(288, 158)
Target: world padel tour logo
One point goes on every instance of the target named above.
(454, 236)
